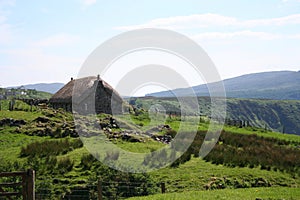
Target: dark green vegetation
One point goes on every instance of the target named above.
(249, 151)
(277, 115)
(50, 148)
(280, 85)
(261, 162)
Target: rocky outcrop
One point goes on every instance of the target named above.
(12, 122)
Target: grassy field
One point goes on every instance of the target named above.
(200, 175)
(275, 193)
(192, 179)
(10, 145)
(262, 132)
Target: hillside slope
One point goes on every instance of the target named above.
(265, 85)
(279, 115)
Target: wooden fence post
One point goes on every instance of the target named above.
(30, 184)
(163, 187)
(24, 185)
(99, 188)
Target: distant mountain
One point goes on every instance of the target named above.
(266, 85)
(44, 87)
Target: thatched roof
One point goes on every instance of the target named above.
(84, 86)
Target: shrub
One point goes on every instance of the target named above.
(65, 165)
(50, 147)
(245, 150)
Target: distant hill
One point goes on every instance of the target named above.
(281, 85)
(44, 87)
(278, 115)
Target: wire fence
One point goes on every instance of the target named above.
(95, 190)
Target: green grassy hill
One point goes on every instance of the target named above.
(45, 140)
(237, 194)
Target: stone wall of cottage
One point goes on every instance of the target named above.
(104, 101)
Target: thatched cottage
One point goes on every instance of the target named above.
(88, 95)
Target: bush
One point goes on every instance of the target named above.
(50, 147)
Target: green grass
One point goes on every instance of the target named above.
(190, 122)
(196, 173)
(263, 133)
(188, 181)
(145, 147)
(10, 144)
(27, 116)
(275, 193)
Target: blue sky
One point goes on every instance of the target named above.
(48, 41)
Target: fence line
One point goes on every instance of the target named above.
(27, 192)
(98, 190)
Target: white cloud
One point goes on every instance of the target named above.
(184, 22)
(280, 21)
(230, 35)
(87, 3)
(296, 36)
(212, 20)
(57, 40)
(287, 1)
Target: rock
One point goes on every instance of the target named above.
(162, 138)
(18, 122)
(18, 130)
(167, 126)
(126, 137)
(133, 139)
(48, 131)
(12, 122)
(42, 119)
(103, 125)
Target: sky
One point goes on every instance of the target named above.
(48, 41)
